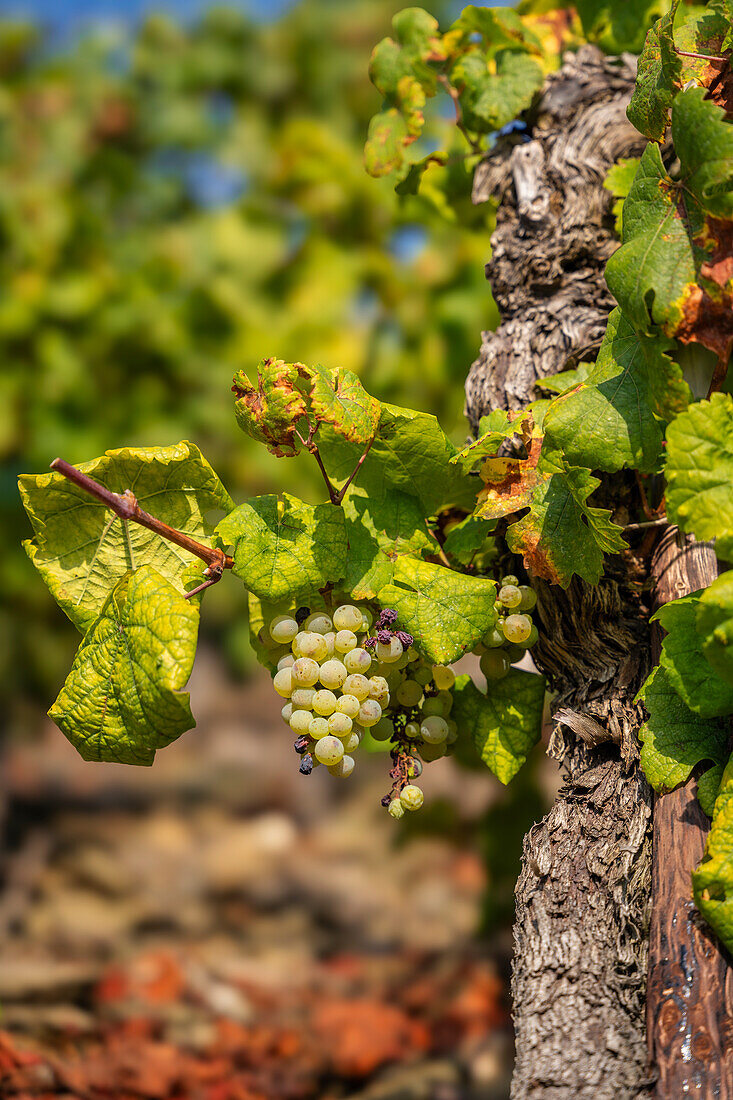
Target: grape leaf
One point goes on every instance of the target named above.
(688, 671)
(618, 181)
(674, 738)
(387, 138)
(379, 530)
(699, 471)
(338, 398)
(495, 428)
(561, 534)
(616, 417)
(712, 881)
(564, 380)
(122, 699)
(270, 410)
(658, 78)
(283, 547)
(673, 235)
(715, 625)
(489, 100)
(708, 788)
(446, 612)
(82, 549)
(466, 537)
(506, 722)
(411, 452)
(617, 25)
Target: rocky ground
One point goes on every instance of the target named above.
(218, 927)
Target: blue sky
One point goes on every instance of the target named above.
(69, 15)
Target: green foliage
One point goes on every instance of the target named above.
(712, 882)
(715, 625)
(82, 550)
(379, 531)
(447, 612)
(687, 668)
(618, 24)
(617, 415)
(122, 698)
(506, 722)
(674, 738)
(618, 181)
(283, 547)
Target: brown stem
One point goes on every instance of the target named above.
(342, 491)
(701, 56)
(721, 369)
(642, 493)
(647, 523)
(312, 448)
(125, 506)
(454, 94)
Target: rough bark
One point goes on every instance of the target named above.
(690, 985)
(583, 894)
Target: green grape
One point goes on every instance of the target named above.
(300, 721)
(333, 674)
(345, 641)
(529, 598)
(282, 682)
(393, 677)
(369, 713)
(319, 623)
(351, 742)
(366, 620)
(348, 704)
(318, 728)
(355, 684)
(495, 664)
(434, 705)
(510, 579)
(517, 628)
(452, 732)
(383, 730)
(411, 797)
(446, 698)
(434, 729)
(339, 724)
(286, 712)
(510, 596)
(302, 698)
(493, 639)
(347, 617)
(443, 677)
(285, 662)
(390, 652)
(396, 809)
(283, 628)
(422, 675)
(409, 693)
(343, 768)
(328, 750)
(324, 702)
(429, 752)
(305, 672)
(414, 768)
(358, 660)
(515, 652)
(534, 637)
(308, 644)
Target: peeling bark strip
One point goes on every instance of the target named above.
(554, 232)
(583, 894)
(690, 985)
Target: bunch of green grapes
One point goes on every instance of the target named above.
(339, 682)
(514, 632)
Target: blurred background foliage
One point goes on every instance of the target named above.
(178, 201)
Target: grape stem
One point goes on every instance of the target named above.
(336, 496)
(125, 506)
(661, 522)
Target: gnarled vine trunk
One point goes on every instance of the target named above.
(583, 895)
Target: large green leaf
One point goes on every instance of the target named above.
(379, 530)
(668, 234)
(465, 538)
(699, 471)
(708, 788)
(658, 78)
(618, 181)
(506, 722)
(446, 612)
(688, 670)
(498, 426)
(411, 452)
(616, 417)
(338, 398)
(712, 882)
(122, 699)
(490, 99)
(82, 549)
(283, 547)
(560, 534)
(674, 738)
(715, 625)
